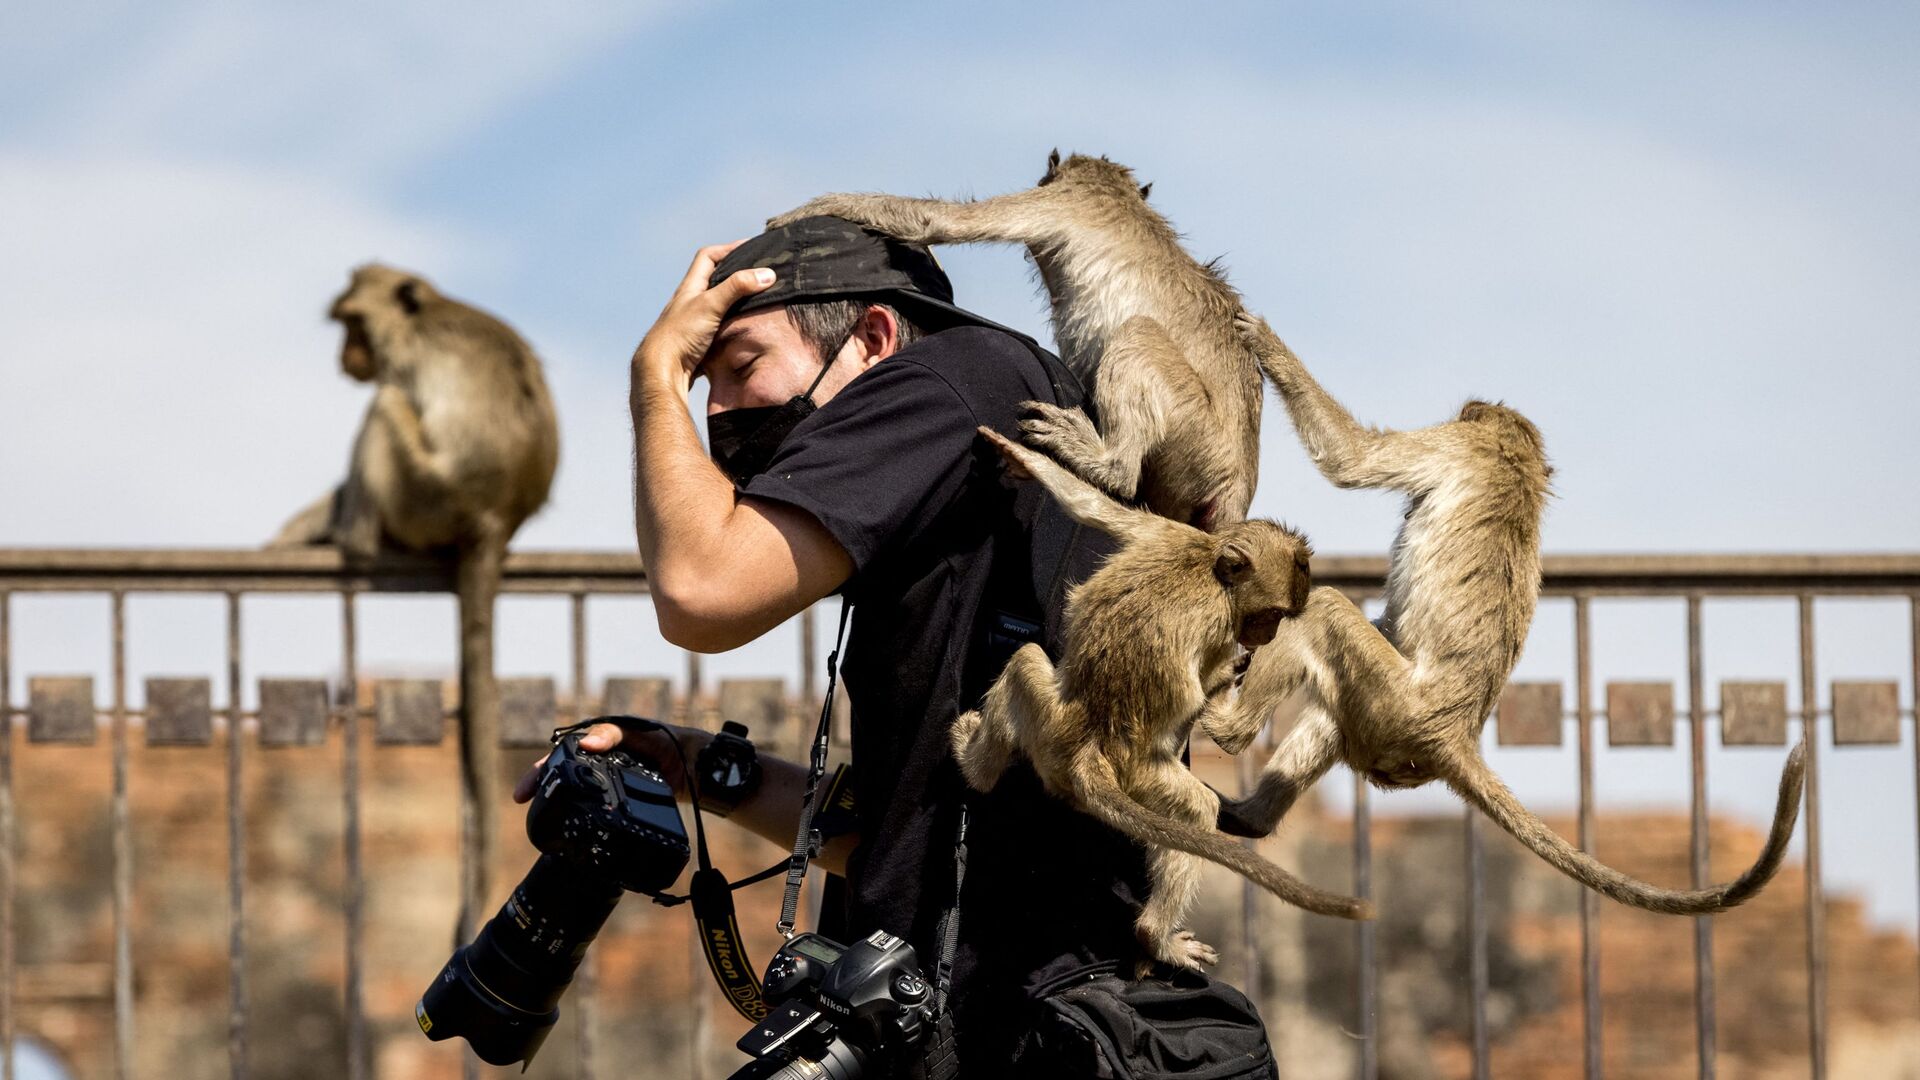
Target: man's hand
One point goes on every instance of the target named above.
(655, 746)
(673, 349)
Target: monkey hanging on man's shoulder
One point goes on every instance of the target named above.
(1145, 325)
(457, 449)
(1403, 702)
(1154, 642)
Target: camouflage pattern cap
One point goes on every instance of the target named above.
(820, 258)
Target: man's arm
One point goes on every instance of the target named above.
(722, 570)
(772, 812)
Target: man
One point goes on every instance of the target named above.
(845, 395)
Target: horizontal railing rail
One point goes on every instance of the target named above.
(324, 570)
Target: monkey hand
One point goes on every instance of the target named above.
(656, 746)
(1259, 339)
(673, 349)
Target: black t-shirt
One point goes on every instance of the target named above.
(950, 562)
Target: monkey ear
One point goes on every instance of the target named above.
(1146, 189)
(1053, 167)
(1232, 565)
(409, 294)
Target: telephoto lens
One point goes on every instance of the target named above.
(502, 992)
(604, 823)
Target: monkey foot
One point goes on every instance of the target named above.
(1068, 437)
(1190, 952)
(964, 727)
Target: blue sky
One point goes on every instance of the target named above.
(1682, 238)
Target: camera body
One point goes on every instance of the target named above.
(610, 815)
(839, 1009)
(604, 823)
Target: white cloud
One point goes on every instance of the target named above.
(167, 352)
(359, 89)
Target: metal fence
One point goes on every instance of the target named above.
(301, 712)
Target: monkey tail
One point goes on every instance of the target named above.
(477, 582)
(1100, 793)
(1474, 782)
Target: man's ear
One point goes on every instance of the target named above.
(878, 334)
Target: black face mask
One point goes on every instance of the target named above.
(743, 441)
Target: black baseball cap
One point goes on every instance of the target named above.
(821, 258)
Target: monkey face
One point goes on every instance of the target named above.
(377, 295)
(1266, 570)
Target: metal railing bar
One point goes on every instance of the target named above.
(1368, 968)
(359, 1059)
(586, 980)
(1913, 642)
(700, 1022)
(6, 835)
(309, 570)
(323, 570)
(1249, 900)
(1477, 941)
(1816, 908)
(1589, 905)
(236, 855)
(1703, 1001)
(122, 855)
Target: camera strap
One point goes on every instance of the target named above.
(806, 843)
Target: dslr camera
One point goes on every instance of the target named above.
(839, 1010)
(605, 823)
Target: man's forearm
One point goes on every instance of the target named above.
(773, 812)
(681, 501)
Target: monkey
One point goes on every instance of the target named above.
(1154, 640)
(1137, 318)
(1402, 702)
(457, 449)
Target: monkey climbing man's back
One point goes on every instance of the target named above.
(1144, 324)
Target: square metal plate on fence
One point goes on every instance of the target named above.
(1640, 714)
(650, 698)
(179, 712)
(408, 712)
(293, 712)
(1866, 713)
(761, 704)
(1529, 715)
(1753, 713)
(60, 709)
(528, 712)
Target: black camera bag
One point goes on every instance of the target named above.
(1092, 1023)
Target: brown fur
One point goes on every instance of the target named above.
(1144, 324)
(456, 451)
(1403, 703)
(1154, 642)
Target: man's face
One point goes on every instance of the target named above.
(760, 359)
